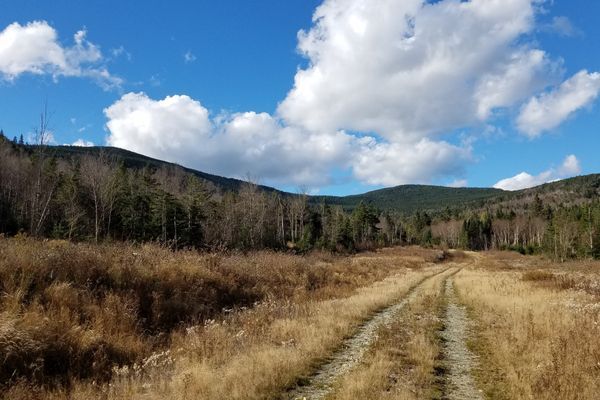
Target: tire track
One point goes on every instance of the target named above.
(458, 359)
(352, 351)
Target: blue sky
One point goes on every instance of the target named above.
(230, 88)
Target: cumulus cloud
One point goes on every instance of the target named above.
(408, 69)
(384, 82)
(180, 129)
(82, 143)
(547, 111)
(396, 163)
(569, 167)
(34, 48)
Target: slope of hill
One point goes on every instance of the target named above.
(410, 198)
(131, 159)
(567, 192)
(404, 198)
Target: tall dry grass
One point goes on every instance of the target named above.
(537, 337)
(257, 354)
(123, 321)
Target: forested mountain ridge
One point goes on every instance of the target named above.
(130, 159)
(104, 193)
(411, 198)
(403, 198)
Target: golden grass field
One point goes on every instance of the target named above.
(118, 321)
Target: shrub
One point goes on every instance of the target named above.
(538, 276)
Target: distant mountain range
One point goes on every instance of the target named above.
(403, 198)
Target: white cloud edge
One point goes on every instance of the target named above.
(82, 143)
(569, 167)
(548, 110)
(34, 48)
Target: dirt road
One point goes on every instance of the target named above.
(458, 360)
(352, 350)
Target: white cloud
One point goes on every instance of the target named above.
(384, 82)
(562, 26)
(409, 69)
(396, 164)
(179, 129)
(82, 143)
(569, 167)
(34, 48)
(547, 111)
(513, 82)
(458, 183)
(523, 180)
(189, 57)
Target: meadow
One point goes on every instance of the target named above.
(121, 321)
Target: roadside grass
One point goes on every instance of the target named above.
(537, 337)
(259, 353)
(120, 321)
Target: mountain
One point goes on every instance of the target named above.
(567, 192)
(131, 159)
(410, 198)
(403, 198)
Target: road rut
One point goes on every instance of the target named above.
(352, 350)
(458, 359)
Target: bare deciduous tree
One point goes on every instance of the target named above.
(99, 176)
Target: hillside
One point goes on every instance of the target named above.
(567, 192)
(410, 198)
(131, 159)
(404, 198)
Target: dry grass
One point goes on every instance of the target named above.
(131, 322)
(538, 276)
(121, 321)
(256, 354)
(537, 338)
(402, 363)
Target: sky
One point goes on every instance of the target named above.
(331, 97)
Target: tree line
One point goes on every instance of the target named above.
(94, 197)
(562, 232)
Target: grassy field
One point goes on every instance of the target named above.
(82, 321)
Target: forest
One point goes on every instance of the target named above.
(95, 197)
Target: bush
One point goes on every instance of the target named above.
(538, 276)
